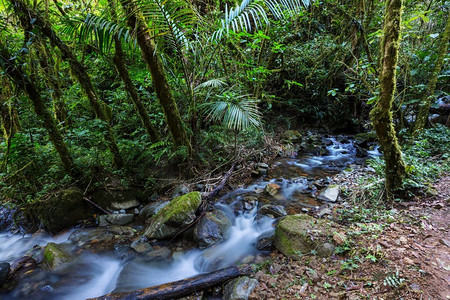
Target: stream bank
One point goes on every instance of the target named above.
(117, 257)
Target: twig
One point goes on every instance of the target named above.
(96, 205)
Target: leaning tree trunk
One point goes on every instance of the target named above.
(429, 95)
(27, 16)
(381, 114)
(23, 81)
(160, 83)
(119, 63)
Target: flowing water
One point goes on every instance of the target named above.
(91, 275)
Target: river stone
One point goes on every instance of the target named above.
(275, 211)
(265, 241)
(291, 136)
(298, 235)
(179, 213)
(119, 219)
(239, 288)
(212, 228)
(6, 217)
(85, 235)
(54, 256)
(330, 193)
(161, 254)
(125, 205)
(180, 190)
(62, 210)
(4, 271)
(272, 189)
(141, 245)
(363, 139)
(152, 209)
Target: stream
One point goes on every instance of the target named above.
(91, 274)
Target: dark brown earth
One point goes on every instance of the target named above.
(406, 259)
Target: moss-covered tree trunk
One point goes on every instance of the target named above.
(429, 95)
(101, 109)
(23, 81)
(119, 63)
(381, 114)
(51, 76)
(159, 79)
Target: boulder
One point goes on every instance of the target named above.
(298, 235)
(291, 136)
(159, 255)
(125, 205)
(62, 210)
(364, 139)
(265, 241)
(330, 193)
(180, 190)
(141, 245)
(4, 271)
(54, 256)
(6, 217)
(274, 211)
(272, 189)
(152, 209)
(212, 228)
(179, 213)
(239, 288)
(119, 219)
(86, 235)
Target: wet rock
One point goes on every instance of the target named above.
(364, 139)
(239, 288)
(325, 249)
(179, 213)
(6, 217)
(4, 271)
(152, 209)
(141, 245)
(122, 230)
(213, 227)
(275, 211)
(291, 136)
(296, 235)
(119, 219)
(161, 254)
(62, 210)
(265, 241)
(54, 256)
(272, 189)
(125, 205)
(261, 169)
(180, 190)
(86, 235)
(330, 194)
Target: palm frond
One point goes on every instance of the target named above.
(212, 83)
(96, 29)
(237, 113)
(254, 12)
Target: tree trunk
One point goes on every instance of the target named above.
(159, 79)
(177, 289)
(23, 82)
(28, 16)
(119, 63)
(381, 114)
(59, 104)
(429, 95)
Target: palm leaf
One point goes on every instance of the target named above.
(212, 83)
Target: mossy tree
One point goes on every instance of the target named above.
(429, 95)
(23, 82)
(381, 114)
(30, 19)
(160, 83)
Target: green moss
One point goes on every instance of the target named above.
(54, 256)
(178, 213)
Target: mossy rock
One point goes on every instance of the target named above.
(62, 210)
(179, 213)
(363, 139)
(54, 256)
(301, 234)
(291, 136)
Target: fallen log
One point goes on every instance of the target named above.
(222, 183)
(180, 288)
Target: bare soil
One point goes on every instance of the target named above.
(406, 259)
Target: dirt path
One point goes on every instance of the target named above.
(407, 259)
